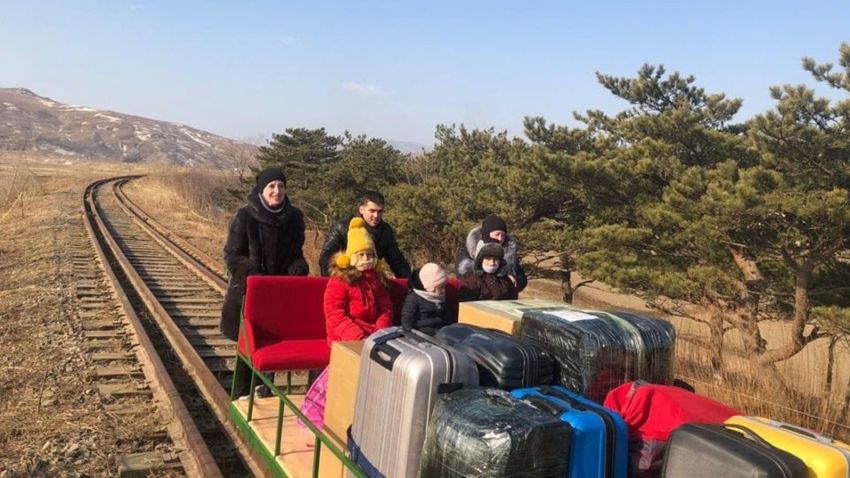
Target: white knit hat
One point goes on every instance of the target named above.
(432, 276)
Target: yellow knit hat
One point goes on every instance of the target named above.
(358, 240)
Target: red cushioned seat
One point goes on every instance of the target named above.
(292, 355)
(284, 324)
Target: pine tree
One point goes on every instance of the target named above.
(740, 219)
(301, 153)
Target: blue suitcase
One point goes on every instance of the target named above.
(599, 444)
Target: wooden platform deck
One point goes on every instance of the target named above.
(297, 444)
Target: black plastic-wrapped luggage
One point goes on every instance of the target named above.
(730, 451)
(503, 361)
(659, 344)
(596, 351)
(484, 432)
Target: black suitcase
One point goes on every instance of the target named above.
(503, 361)
(484, 432)
(731, 451)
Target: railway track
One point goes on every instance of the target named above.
(126, 381)
(171, 295)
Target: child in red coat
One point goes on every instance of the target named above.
(356, 299)
(356, 304)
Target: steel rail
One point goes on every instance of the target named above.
(193, 258)
(196, 458)
(207, 383)
(214, 265)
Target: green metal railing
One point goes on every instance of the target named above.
(321, 439)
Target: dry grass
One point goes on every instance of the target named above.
(18, 184)
(742, 390)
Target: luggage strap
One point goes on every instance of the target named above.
(358, 457)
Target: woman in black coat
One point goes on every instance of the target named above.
(266, 236)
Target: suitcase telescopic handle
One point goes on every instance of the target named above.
(385, 355)
(802, 431)
(390, 336)
(543, 404)
(749, 433)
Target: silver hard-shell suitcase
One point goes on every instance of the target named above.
(401, 374)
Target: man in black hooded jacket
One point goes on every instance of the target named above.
(371, 209)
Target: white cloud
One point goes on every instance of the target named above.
(136, 6)
(287, 41)
(363, 90)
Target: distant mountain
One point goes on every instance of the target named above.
(409, 146)
(30, 122)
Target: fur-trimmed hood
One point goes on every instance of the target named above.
(350, 274)
(497, 251)
(474, 242)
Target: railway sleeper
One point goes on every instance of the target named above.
(141, 465)
(118, 371)
(212, 354)
(127, 408)
(89, 314)
(199, 322)
(192, 300)
(112, 357)
(201, 340)
(104, 334)
(104, 324)
(219, 365)
(124, 389)
(100, 344)
(200, 314)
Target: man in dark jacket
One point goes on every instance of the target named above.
(266, 236)
(371, 209)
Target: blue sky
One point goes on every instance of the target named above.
(396, 69)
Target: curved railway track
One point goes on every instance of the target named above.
(171, 294)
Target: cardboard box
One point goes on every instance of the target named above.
(504, 315)
(343, 375)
